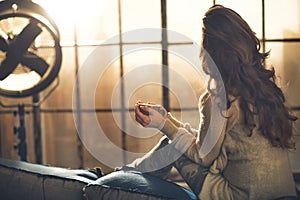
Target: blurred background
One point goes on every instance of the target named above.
(51, 132)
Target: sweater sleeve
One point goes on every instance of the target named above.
(205, 145)
(179, 124)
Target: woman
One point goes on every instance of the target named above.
(249, 158)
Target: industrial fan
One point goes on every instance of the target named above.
(30, 53)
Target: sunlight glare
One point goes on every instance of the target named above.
(69, 12)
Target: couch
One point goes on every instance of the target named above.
(27, 181)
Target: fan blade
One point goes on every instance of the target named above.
(35, 63)
(3, 44)
(7, 66)
(26, 37)
(18, 47)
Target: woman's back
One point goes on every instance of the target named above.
(257, 167)
(248, 167)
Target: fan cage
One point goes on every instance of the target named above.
(32, 11)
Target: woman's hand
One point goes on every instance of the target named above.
(150, 117)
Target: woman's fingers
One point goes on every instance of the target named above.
(140, 114)
(161, 110)
(149, 116)
(144, 121)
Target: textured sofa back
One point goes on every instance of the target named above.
(26, 181)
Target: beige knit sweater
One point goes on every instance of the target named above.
(240, 167)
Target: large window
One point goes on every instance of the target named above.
(113, 25)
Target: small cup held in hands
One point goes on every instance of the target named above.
(156, 107)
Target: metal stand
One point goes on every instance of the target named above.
(21, 132)
(19, 129)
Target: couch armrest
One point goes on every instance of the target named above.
(22, 180)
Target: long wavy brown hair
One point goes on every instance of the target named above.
(235, 49)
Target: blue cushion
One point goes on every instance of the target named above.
(132, 184)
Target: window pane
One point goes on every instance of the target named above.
(250, 11)
(101, 136)
(106, 87)
(63, 15)
(186, 18)
(60, 140)
(93, 18)
(138, 14)
(142, 73)
(138, 138)
(284, 57)
(7, 101)
(98, 75)
(98, 20)
(282, 19)
(62, 95)
(84, 53)
(187, 80)
(103, 60)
